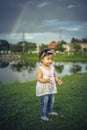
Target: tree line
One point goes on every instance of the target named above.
(29, 47)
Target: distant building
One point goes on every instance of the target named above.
(52, 45)
(83, 44)
(67, 47)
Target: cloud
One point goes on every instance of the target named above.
(42, 4)
(73, 29)
(73, 6)
(51, 22)
(29, 2)
(54, 25)
(16, 37)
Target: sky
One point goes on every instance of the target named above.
(43, 21)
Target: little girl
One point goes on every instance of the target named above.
(46, 84)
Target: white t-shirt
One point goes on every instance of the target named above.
(46, 88)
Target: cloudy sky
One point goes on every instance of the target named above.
(43, 21)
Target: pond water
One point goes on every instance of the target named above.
(26, 71)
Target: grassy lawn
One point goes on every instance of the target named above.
(19, 106)
(70, 58)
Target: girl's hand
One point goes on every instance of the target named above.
(48, 80)
(60, 82)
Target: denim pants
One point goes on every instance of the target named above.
(46, 104)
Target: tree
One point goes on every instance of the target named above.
(4, 45)
(76, 48)
(59, 48)
(16, 48)
(74, 40)
(29, 47)
(84, 40)
(43, 46)
(63, 42)
(85, 50)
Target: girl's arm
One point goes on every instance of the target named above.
(59, 81)
(40, 77)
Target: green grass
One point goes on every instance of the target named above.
(30, 57)
(70, 58)
(19, 106)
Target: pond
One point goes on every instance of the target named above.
(26, 71)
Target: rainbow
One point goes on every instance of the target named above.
(19, 19)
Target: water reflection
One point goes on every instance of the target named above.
(75, 68)
(30, 66)
(3, 64)
(86, 67)
(22, 71)
(59, 68)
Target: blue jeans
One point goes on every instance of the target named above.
(46, 104)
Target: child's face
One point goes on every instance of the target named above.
(47, 60)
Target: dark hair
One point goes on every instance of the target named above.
(45, 52)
